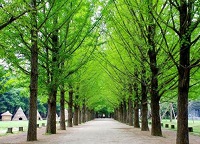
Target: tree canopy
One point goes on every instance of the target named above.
(107, 56)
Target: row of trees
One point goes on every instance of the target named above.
(50, 42)
(120, 55)
(155, 45)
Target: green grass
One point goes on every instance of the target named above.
(195, 124)
(4, 125)
(15, 124)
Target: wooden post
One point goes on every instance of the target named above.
(172, 126)
(190, 129)
(21, 129)
(9, 130)
(166, 125)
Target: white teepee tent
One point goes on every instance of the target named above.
(39, 116)
(19, 115)
(66, 114)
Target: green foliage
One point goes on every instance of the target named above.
(12, 100)
(100, 46)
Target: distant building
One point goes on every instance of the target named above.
(39, 116)
(19, 115)
(6, 116)
(66, 114)
(194, 110)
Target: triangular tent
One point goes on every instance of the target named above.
(19, 115)
(39, 116)
(66, 114)
(57, 118)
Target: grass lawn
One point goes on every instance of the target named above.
(16, 124)
(195, 124)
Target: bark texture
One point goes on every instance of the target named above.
(32, 125)
(53, 85)
(51, 118)
(62, 109)
(70, 107)
(76, 107)
(130, 105)
(124, 111)
(79, 115)
(136, 102)
(144, 102)
(130, 117)
(83, 112)
(136, 114)
(76, 113)
(155, 98)
(183, 72)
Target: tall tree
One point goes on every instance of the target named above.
(186, 13)
(152, 52)
(32, 126)
(189, 22)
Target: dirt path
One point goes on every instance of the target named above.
(98, 131)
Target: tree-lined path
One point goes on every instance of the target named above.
(99, 131)
(134, 60)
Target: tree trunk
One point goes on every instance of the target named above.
(32, 125)
(127, 114)
(144, 102)
(124, 111)
(183, 73)
(53, 85)
(75, 119)
(62, 108)
(93, 114)
(76, 106)
(70, 107)
(136, 114)
(51, 118)
(136, 101)
(121, 112)
(79, 115)
(130, 105)
(182, 121)
(86, 114)
(83, 112)
(116, 114)
(155, 112)
(155, 98)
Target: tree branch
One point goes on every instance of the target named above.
(12, 19)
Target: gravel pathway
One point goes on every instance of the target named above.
(98, 131)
